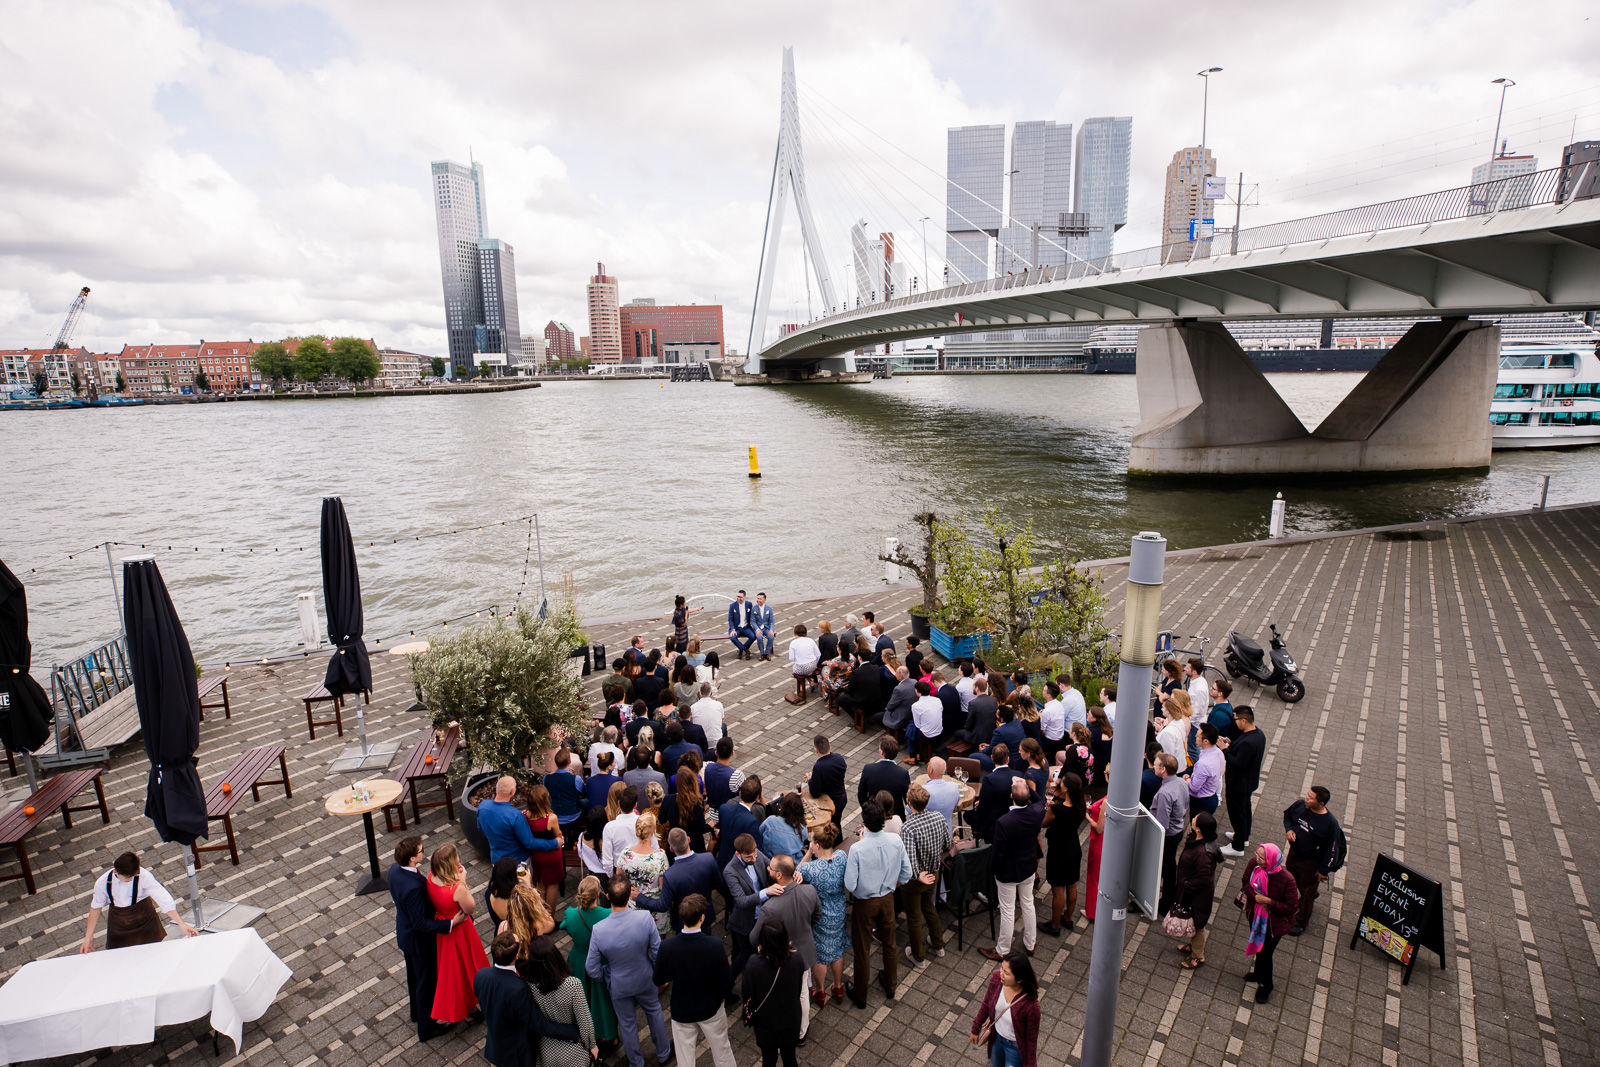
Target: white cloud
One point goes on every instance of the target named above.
(218, 170)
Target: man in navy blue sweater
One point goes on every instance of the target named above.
(696, 965)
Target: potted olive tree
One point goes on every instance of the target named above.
(508, 688)
(961, 621)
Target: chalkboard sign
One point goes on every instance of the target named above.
(1403, 911)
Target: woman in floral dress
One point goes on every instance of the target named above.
(825, 873)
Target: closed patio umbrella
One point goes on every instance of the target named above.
(25, 712)
(349, 671)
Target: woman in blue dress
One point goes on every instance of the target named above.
(825, 873)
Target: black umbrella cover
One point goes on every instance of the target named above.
(169, 706)
(24, 709)
(349, 671)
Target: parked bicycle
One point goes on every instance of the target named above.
(1165, 650)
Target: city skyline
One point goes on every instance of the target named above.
(262, 175)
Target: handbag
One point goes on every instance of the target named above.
(749, 1014)
(1179, 923)
(986, 1031)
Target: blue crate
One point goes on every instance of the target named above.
(953, 648)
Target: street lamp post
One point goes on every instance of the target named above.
(1205, 100)
(1139, 625)
(1494, 145)
(923, 222)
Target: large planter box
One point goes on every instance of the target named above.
(953, 648)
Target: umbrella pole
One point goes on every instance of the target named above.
(194, 888)
(33, 776)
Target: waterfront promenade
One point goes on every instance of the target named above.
(1452, 710)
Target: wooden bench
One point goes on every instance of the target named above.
(320, 695)
(210, 685)
(107, 726)
(50, 798)
(428, 761)
(959, 748)
(246, 771)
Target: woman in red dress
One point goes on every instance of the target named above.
(549, 870)
(461, 953)
(1097, 835)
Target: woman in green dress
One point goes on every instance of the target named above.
(580, 923)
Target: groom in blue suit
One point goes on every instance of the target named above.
(741, 624)
(764, 631)
(414, 932)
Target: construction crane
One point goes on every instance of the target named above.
(74, 313)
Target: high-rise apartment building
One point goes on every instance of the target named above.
(1492, 193)
(559, 341)
(501, 330)
(648, 327)
(605, 321)
(1185, 203)
(974, 190)
(462, 214)
(1100, 183)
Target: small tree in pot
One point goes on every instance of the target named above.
(926, 569)
(507, 687)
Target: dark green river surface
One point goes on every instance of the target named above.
(641, 491)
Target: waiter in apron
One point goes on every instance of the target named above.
(136, 900)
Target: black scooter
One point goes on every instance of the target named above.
(1245, 657)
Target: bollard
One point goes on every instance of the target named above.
(755, 471)
(891, 571)
(1544, 490)
(1276, 527)
(308, 621)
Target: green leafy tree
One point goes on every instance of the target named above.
(509, 687)
(311, 360)
(352, 359)
(964, 607)
(41, 383)
(166, 382)
(438, 367)
(273, 362)
(122, 383)
(201, 382)
(59, 346)
(77, 384)
(927, 567)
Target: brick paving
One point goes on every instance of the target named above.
(1452, 711)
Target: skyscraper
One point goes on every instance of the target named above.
(497, 280)
(560, 342)
(1100, 183)
(871, 262)
(974, 188)
(1041, 192)
(458, 201)
(605, 321)
(1185, 201)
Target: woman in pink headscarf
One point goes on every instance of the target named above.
(1270, 900)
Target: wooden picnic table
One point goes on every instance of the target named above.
(429, 761)
(245, 773)
(55, 795)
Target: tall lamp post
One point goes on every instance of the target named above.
(1494, 145)
(1140, 618)
(1205, 100)
(923, 222)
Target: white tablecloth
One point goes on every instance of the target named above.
(72, 1004)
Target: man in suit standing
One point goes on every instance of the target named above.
(797, 906)
(994, 794)
(741, 625)
(737, 817)
(982, 710)
(512, 1022)
(414, 931)
(696, 966)
(885, 774)
(690, 873)
(765, 634)
(827, 777)
(748, 884)
(1015, 859)
(622, 953)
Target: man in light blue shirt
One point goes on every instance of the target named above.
(944, 796)
(873, 869)
(1072, 703)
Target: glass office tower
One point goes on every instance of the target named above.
(1105, 155)
(974, 191)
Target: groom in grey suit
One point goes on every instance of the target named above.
(797, 906)
(622, 954)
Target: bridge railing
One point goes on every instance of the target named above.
(1554, 186)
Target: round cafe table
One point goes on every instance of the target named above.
(969, 795)
(410, 648)
(384, 792)
(818, 810)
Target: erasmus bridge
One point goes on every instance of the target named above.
(1529, 243)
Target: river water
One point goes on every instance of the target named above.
(640, 488)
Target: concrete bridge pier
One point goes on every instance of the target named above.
(1204, 408)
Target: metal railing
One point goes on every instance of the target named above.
(87, 681)
(1558, 185)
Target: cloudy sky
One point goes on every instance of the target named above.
(251, 169)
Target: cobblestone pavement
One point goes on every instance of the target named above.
(1452, 711)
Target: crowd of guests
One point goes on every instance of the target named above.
(666, 835)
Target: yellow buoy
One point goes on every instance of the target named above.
(755, 471)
